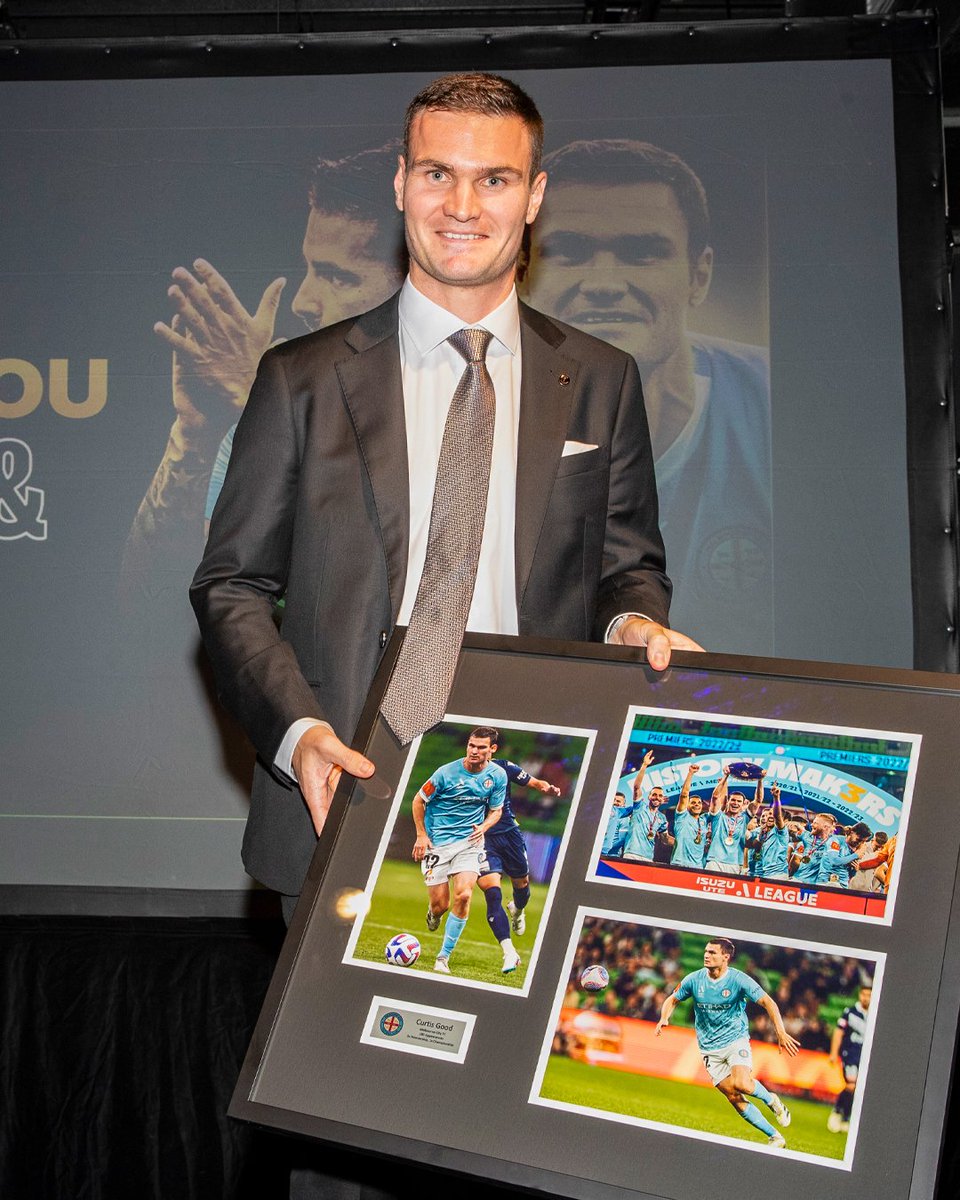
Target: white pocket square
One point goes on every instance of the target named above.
(576, 448)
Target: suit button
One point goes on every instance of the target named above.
(383, 638)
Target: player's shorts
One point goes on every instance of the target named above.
(721, 868)
(851, 1071)
(720, 1063)
(506, 853)
(441, 862)
(636, 857)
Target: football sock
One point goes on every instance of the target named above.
(761, 1093)
(844, 1104)
(752, 1114)
(451, 934)
(521, 897)
(496, 918)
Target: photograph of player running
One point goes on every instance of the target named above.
(688, 1012)
(741, 809)
(480, 809)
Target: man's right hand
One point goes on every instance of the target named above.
(319, 759)
(217, 344)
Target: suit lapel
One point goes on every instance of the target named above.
(545, 404)
(373, 391)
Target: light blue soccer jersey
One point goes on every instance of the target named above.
(769, 856)
(458, 799)
(719, 1005)
(691, 835)
(727, 838)
(618, 826)
(834, 858)
(645, 824)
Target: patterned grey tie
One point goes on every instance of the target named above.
(416, 696)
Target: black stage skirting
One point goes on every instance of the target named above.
(121, 1042)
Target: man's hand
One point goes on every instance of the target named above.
(421, 846)
(659, 642)
(476, 836)
(541, 785)
(661, 1024)
(319, 759)
(217, 344)
(788, 1043)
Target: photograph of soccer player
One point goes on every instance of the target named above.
(783, 815)
(353, 258)
(622, 248)
(720, 994)
(846, 1045)
(464, 817)
(651, 1018)
(452, 812)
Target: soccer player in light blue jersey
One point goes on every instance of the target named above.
(729, 821)
(452, 811)
(720, 994)
(618, 826)
(770, 843)
(689, 826)
(648, 825)
(822, 855)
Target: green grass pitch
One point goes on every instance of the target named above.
(674, 1103)
(399, 905)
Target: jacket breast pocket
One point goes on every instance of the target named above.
(582, 463)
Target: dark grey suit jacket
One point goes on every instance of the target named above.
(315, 507)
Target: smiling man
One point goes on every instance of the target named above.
(623, 250)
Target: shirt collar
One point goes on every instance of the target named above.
(427, 325)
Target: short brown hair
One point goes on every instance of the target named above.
(478, 92)
(727, 948)
(488, 732)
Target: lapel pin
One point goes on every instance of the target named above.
(563, 379)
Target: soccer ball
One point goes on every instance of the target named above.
(403, 950)
(595, 978)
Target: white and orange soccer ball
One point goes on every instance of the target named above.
(594, 978)
(403, 950)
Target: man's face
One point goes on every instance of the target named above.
(614, 260)
(735, 803)
(766, 821)
(713, 956)
(866, 994)
(466, 196)
(479, 752)
(619, 800)
(823, 825)
(695, 806)
(655, 799)
(344, 275)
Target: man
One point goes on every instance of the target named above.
(320, 503)
(821, 855)
(838, 858)
(881, 862)
(452, 811)
(689, 826)
(618, 827)
(353, 260)
(729, 824)
(507, 853)
(845, 1047)
(720, 994)
(623, 250)
(648, 825)
(769, 844)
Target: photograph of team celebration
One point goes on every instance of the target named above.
(729, 1039)
(798, 816)
(462, 881)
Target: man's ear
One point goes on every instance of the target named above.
(398, 182)
(701, 273)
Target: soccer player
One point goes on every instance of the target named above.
(845, 1047)
(689, 826)
(648, 825)
(822, 854)
(452, 811)
(770, 842)
(618, 826)
(506, 853)
(729, 821)
(720, 994)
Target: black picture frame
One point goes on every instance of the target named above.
(311, 1069)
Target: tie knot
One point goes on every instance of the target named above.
(471, 344)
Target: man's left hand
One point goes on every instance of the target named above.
(659, 642)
